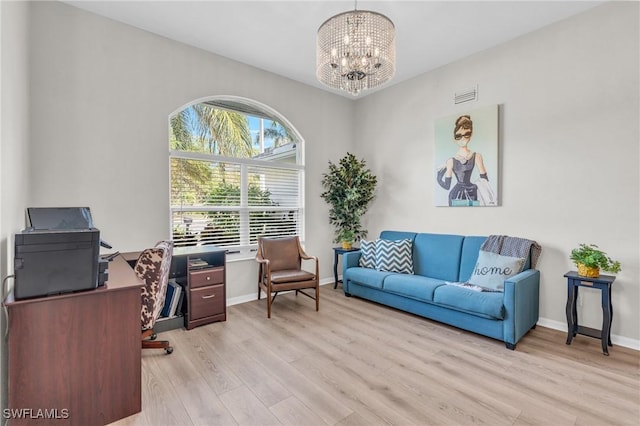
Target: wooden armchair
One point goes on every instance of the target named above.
(153, 266)
(280, 269)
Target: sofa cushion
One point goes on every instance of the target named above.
(437, 256)
(486, 304)
(366, 276)
(492, 269)
(470, 250)
(394, 256)
(397, 235)
(368, 254)
(415, 286)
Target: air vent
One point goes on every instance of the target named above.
(466, 95)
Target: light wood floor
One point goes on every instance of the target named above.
(359, 363)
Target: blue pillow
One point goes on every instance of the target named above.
(394, 256)
(492, 270)
(368, 254)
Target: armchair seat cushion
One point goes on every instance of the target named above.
(291, 275)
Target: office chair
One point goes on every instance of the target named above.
(153, 266)
(280, 269)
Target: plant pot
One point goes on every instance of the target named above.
(586, 271)
(346, 245)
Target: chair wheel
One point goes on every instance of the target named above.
(169, 350)
(154, 336)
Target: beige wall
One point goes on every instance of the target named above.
(14, 144)
(568, 97)
(102, 94)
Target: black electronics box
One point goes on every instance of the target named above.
(56, 261)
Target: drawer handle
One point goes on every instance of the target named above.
(209, 297)
(208, 278)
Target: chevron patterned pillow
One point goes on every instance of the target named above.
(368, 254)
(394, 256)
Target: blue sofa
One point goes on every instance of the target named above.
(439, 258)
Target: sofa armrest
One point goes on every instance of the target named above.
(350, 259)
(521, 303)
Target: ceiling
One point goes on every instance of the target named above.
(280, 36)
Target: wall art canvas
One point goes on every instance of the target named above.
(466, 159)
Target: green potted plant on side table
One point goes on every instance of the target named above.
(349, 189)
(345, 238)
(590, 259)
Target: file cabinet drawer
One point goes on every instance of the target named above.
(207, 301)
(206, 277)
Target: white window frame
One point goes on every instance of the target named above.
(245, 250)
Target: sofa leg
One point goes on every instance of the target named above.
(348, 294)
(511, 346)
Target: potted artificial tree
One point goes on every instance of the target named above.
(590, 259)
(349, 189)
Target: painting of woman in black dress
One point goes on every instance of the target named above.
(464, 176)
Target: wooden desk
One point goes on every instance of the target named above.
(76, 358)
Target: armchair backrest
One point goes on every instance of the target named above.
(282, 253)
(153, 266)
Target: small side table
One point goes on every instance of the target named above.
(337, 252)
(603, 283)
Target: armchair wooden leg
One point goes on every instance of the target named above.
(317, 298)
(260, 278)
(269, 300)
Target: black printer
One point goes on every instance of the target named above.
(58, 253)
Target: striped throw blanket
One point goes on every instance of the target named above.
(513, 246)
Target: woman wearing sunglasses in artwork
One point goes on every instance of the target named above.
(462, 164)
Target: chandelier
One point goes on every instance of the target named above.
(356, 51)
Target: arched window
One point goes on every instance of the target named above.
(236, 172)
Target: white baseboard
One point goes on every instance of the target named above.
(615, 339)
(254, 296)
(242, 299)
